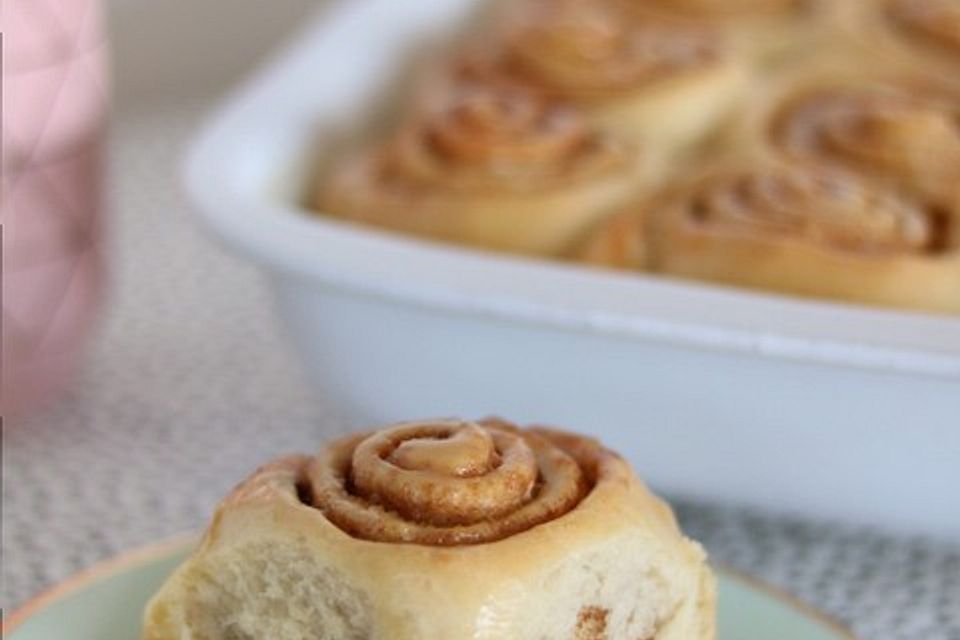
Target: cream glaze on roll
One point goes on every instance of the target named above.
(490, 166)
(644, 79)
(442, 529)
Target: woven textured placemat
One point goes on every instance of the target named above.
(189, 385)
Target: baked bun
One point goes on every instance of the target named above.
(835, 182)
(807, 231)
(642, 78)
(892, 128)
(490, 166)
(441, 529)
(898, 128)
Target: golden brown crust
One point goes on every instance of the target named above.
(489, 165)
(837, 181)
(584, 51)
(901, 131)
(482, 137)
(661, 83)
(849, 156)
(831, 209)
(806, 231)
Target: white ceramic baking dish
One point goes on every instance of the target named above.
(804, 406)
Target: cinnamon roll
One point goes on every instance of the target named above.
(835, 181)
(644, 79)
(798, 229)
(903, 131)
(491, 166)
(441, 529)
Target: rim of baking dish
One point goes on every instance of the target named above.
(241, 196)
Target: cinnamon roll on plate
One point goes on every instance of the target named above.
(642, 78)
(442, 529)
(490, 166)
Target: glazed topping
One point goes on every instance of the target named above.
(934, 21)
(824, 208)
(908, 136)
(469, 451)
(576, 48)
(494, 136)
(448, 482)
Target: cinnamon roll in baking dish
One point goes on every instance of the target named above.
(490, 166)
(442, 529)
(641, 77)
(808, 231)
(834, 184)
(894, 125)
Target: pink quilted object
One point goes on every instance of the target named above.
(54, 113)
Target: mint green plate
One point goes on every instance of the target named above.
(105, 602)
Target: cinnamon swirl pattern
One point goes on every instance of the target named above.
(902, 132)
(643, 79)
(491, 166)
(442, 529)
(800, 230)
(851, 191)
(446, 483)
(824, 135)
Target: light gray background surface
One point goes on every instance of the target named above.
(189, 383)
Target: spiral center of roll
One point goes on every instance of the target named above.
(469, 451)
(500, 126)
(884, 129)
(825, 208)
(447, 482)
(445, 472)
